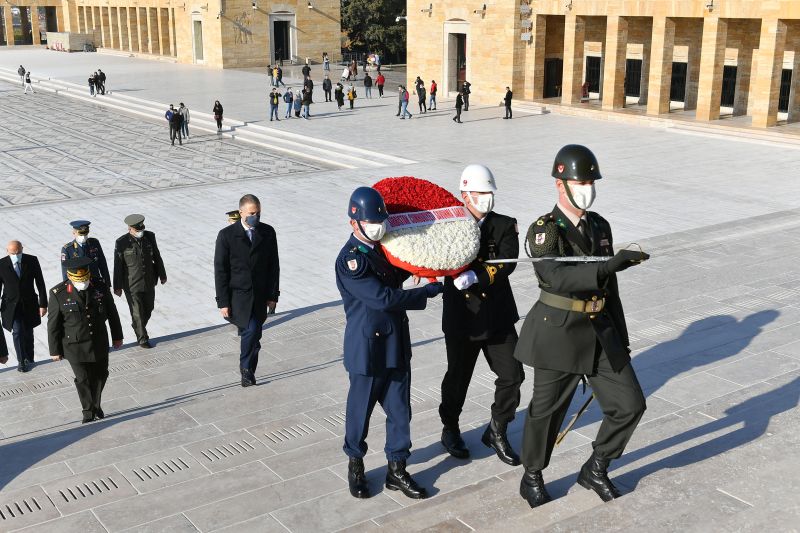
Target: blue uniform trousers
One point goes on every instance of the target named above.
(250, 344)
(23, 336)
(392, 390)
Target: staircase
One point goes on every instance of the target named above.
(297, 145)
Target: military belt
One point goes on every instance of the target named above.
(593, 306)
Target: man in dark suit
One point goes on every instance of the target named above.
(76, 331)
(22, 305)
(377, 345)
(247, 279)
(577, 330)
(138, 268)
(479, 316)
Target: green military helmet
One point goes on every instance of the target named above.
(576, 163)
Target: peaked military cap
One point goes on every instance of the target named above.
(234, 215)
(82, 226)
(135, 221)
(75, 265)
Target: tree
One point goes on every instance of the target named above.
(370, 26)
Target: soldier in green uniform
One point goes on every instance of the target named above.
(577, 329)
(77, 312)
(137, 269)
(84, 246)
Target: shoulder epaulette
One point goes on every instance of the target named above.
(543, 237)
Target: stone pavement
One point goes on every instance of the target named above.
(714, 320)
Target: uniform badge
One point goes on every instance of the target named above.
(352, 264)
(560, 168)
(353, 209)
(540, 222)
(540, 238)
(63, 257)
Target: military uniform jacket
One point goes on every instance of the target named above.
(246, 275)
(137, 263)
(16, 290)
(76, 322)
(91, 249)
(376, 337)
(562, 340)
(487, 307)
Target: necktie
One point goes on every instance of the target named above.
(250, 235)
(583, 226)
(18, 269)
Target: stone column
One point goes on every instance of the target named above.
(534, 71)
(614, 67)
(131, 28)
(122, 22)
(744, 64)
(8, 24)
(660, 80)
(644, 85)
(103, 27)
(574, 37)
(794, 93)
(149, 12)
(112, 29)
(160, 31)
(173, 50)
(139, 37)
(767, 83)
(712, 63)
(37, 37)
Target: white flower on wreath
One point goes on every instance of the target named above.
(443, 246)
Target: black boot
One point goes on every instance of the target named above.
(495, 437)
(398, 479)
(247, 378)
(453, 443)
(532, 488)
(356, 478)
(594, 476)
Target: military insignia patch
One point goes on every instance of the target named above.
(63, 257)
(560, 168)
(352, 264)
(540, 238)
(540, 222)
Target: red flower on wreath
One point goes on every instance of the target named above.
(406, 194)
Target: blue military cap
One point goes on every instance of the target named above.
(81, 225)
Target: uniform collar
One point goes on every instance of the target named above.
(575, 219)
(356, 241)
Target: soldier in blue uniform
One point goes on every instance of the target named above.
(84, 246)
(377, 345)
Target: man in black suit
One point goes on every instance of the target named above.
(479, 316)
(246, 277)
(22, 305)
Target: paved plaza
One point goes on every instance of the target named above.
(714, 319)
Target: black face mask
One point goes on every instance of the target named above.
(252, 220)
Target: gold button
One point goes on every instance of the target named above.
(594, 298)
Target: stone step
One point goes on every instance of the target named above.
(741, 134)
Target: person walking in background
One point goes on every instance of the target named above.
(288, 98)
(217, 114)
(339, 94)
(351, 95)
(466, 91)
(327, 86)
(271, 73)
(308, 85)
(306, 101)
(274, 102)
(368, 85)
(421, 99)
(174, 119)
(102, 77)
(326, 63)
(279, 77)
(247, 280)
(91, 86)
(184, 112)
(346, 73)
(432, 103)
(306, 70)
(404, 96)
(24, 297)
(28, 83)
(459, 105)
(354, 69)
(507, 101)
(380, 81)
(298, 102)
(21, 72)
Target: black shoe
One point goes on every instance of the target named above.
(495, 437)
(22, 367)
(87, 418)
(594, 476)
(398, 479)
(30, 364)
(397, 115)
(453, 443)
(248, 378)
(505, 118)
(99, 414)
(532, 488)
(356, 478)
(145, 344)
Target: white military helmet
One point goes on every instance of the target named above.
(477, 178)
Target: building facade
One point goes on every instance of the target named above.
(218, 33)
(712, 57)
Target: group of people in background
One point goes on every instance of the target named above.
(97, 83)
(25, 79)
(178, 120)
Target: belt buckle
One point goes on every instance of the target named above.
(594, 305)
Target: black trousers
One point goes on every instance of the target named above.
(23, 337)
(175, 131)
(466, 102)
(250, 344)
(457, 118)
(618, 393)
(422, 107)
(141, 306)
(328, 95)
(462, 354)
(380, 89)
(90, 379)
(508, 111)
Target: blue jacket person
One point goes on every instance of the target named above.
(377, 345)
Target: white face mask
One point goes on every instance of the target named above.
(80, 285)
(80, 239)
(484, 204)
(374, 232)
(138, 234)
(583, 195)
(15, 258)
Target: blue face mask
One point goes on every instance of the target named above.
(15, 258)
(252, 220)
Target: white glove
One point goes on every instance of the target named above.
(465, 280)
